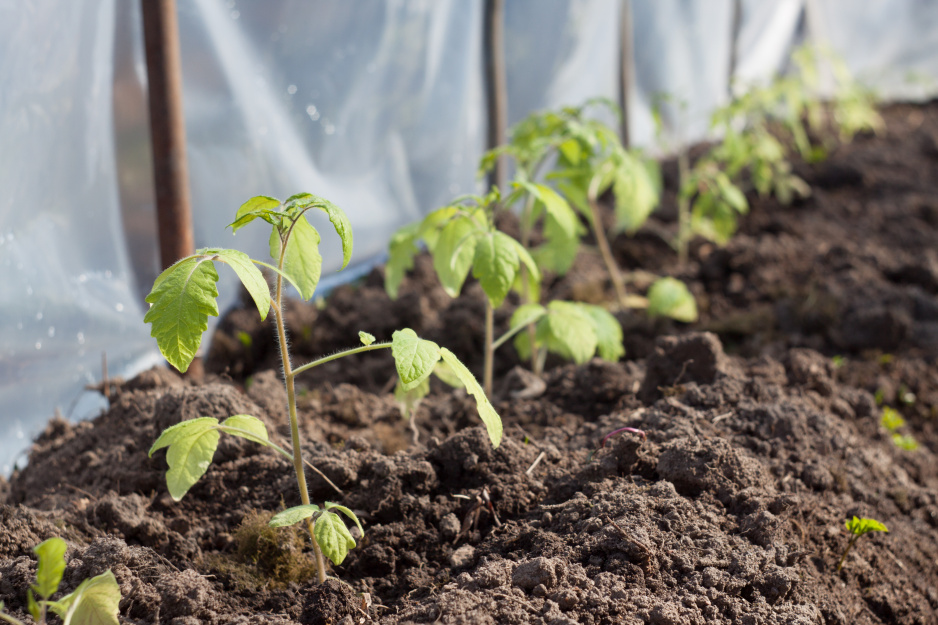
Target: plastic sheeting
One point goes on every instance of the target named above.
(375, 105)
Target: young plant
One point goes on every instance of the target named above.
(94, 602)
(893, 422)
(858, 527)
(462, 237)
(590, 160)
(183, 297)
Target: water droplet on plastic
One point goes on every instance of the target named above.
(38, 344)
(81, 338)
(312, 112)
(108, 274)
(51, 331)
(120, 307)
(19, 326)
(291, 89)
(39, 315)
(83, 278)
(328, 128)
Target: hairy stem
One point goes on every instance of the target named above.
(288, 376)
(10, 619)
(489, 347)
(347, 352)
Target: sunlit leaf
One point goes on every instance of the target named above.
(333, 537)
(262, 207)
(493, 423)
(301, 260)
(253, 428)
(182, 299)
(669, 297)
(51, 555)
(414, 357)
(94, 602)
(292, 516)
(495, 265)
(192, 445)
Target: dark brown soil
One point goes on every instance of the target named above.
(759, 444)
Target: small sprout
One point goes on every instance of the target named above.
(885, 359)
(94, 602)
(893, 421)
(245, 339)
(366, 339)
(879, 396)
(602, 443)
(838, 362)
(858, 527)
(906, 397)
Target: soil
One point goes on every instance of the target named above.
(763, 436)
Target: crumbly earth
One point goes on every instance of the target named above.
(759, 444)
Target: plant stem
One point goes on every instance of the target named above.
(606, 252)
(843, 558)
(526, 228)
(288, 376)
(683, 207)
(337, 355)
(489, 347)
(10, 619)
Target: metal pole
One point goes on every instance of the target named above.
(167, 130)
(496, 85)
(626, 66)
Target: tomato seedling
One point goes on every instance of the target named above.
(183, 297)
(858, 527)
(94, 602)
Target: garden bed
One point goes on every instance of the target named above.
(763, 436)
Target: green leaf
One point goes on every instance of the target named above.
(891, 419)
(568, 331)
(559, 250)
(94, 602)
(34, 610)
(296, 204)
(608, 333)
(292, 516)
(334, 506)
(495, 265)
(860, 526)
(401, 252)
(454, 252)
(254, 428)
(251, 277)
(51, 555)
(636, 185)
(493, 423)
(669, 297)
(182, 298)
(302, 260)
(556, 206)
(414, 357)
(445, 373)
(365, 338)
(904, 441)
(526, 314)
(192, 445)
(262, 207)
(408, 400)
(333, 537)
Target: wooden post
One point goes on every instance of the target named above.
(167, 130)
(496, 86)
(734, 44)
(626, 66)
(168, 137)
